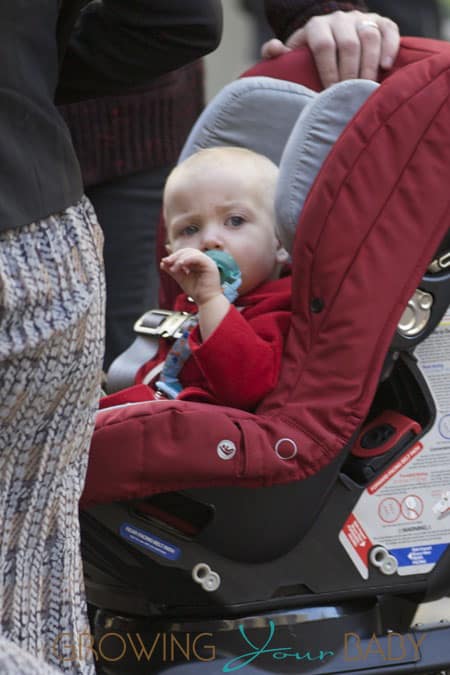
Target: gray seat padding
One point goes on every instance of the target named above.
(314, 134)
(254, 112)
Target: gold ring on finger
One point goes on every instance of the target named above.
(363, 25)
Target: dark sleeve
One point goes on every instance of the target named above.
(285, 16)
(121, 44)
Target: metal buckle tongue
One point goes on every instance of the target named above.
(161, 323)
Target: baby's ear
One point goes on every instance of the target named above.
(282, 255)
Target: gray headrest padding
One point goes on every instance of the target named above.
(311, 139)
(254, 112)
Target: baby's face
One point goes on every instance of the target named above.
(225, 207)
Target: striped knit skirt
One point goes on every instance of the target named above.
(51, 348)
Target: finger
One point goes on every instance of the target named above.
(179, 271)
(390, 42)
(168, 259)
(167, 270)
(174, 262)
(320, 39)
(348, 44)
(180, 265)
(371, 40)
(182, 253)
(189, 260)
(273, 48)
(166, 266)
(297, 39)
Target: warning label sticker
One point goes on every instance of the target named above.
(406, 509)
(356, 542)
(418, 555)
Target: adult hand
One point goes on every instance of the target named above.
(344, 44)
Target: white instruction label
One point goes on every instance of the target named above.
(406, 509)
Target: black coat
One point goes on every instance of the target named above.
(414, 17)
(116, 44)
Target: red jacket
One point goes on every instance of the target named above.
(239, 363)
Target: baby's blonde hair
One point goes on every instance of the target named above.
(264, 169)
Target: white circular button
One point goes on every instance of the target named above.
(226, 449)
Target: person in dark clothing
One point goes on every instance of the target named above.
(127, 145)
(414, 17)
(52, 294)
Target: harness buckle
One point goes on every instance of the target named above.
(161, 323)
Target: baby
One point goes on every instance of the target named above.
(222, 199)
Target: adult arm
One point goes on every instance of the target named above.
(118, 45)
(346, 42)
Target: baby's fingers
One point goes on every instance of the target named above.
(185, 260)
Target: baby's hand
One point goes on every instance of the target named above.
(195, 272)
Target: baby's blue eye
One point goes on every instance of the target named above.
(234, 221)
(189, 230)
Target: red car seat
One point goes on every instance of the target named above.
(370, 225)
(342, 463)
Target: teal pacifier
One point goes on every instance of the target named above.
(230, 274)
(226, 264)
